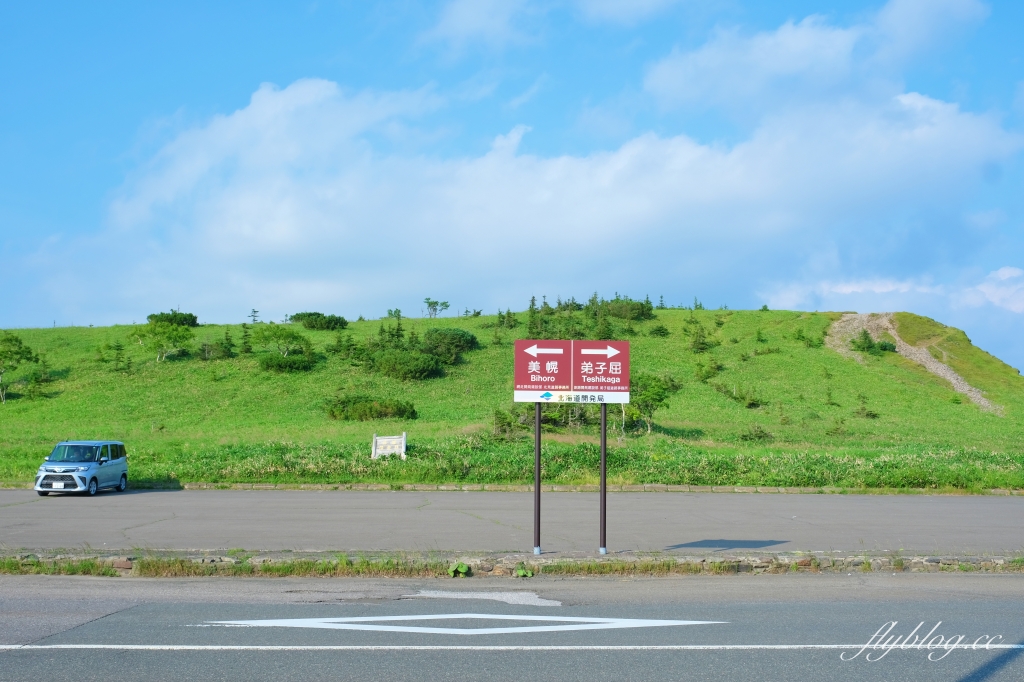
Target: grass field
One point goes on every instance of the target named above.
(820, 418)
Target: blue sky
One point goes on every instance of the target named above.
(354, 157)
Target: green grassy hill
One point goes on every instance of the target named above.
(782, 409)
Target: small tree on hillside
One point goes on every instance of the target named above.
(166, 339)
(648, 393)
(246, 339)
(534, 325)
(435, 307)
(284, 339)
(13, 352)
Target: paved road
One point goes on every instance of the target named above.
(705, 628)
(350, 520)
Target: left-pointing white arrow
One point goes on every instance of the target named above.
(534, 351)
(607, 352)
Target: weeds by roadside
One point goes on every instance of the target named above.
(340, 567)
(15, 566)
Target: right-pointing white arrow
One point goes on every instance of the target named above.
(607, 352)
(534, 351)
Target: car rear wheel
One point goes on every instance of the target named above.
(42, 493)
(123, 485)
(93, 487)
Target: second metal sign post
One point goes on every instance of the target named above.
(557, 371)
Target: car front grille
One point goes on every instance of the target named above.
(49, 480)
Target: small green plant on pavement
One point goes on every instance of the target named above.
(459, 570)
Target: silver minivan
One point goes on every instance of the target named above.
(83, 466)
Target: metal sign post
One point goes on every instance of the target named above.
(603, 548)
(536, 479)
(558, 371)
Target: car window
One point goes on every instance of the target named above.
(75, 453)
(104, 451)
(119, 451)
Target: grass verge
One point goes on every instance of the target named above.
(341, 567)
(12, 566)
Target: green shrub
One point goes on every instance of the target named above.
(287, 363)
(176, 318)
(746, 397)
(448, 344)
(866, 344)
(708, 370)
(363, 408)
(508, 425)
(405, 364)
(319, 321)
(757, 434)
(627, 309)
(701, 342)
(343, 345)
(658, 330)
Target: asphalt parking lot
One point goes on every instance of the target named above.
(503, 522)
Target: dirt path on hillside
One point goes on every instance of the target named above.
(851, 324)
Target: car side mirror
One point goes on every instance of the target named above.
(46, 459)
(103, 460)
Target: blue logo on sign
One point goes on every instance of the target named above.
(546, 396)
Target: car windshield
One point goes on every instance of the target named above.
(75, 453)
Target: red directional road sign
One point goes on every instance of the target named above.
(600, 367)
(571, 371)
(542, 367)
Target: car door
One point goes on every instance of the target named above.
(105, 471)
(122, 462)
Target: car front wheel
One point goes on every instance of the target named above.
(123, 485)
(91, 490)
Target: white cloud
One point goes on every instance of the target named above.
(311, 196)
(903, 28)
(622, 11)
(810, 58)
(734, 68)
(985, 220)
(494, 23)
(289, 202)
(528, 94)
(1004, 288)
(847, 294)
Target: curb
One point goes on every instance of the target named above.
(562, 565)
